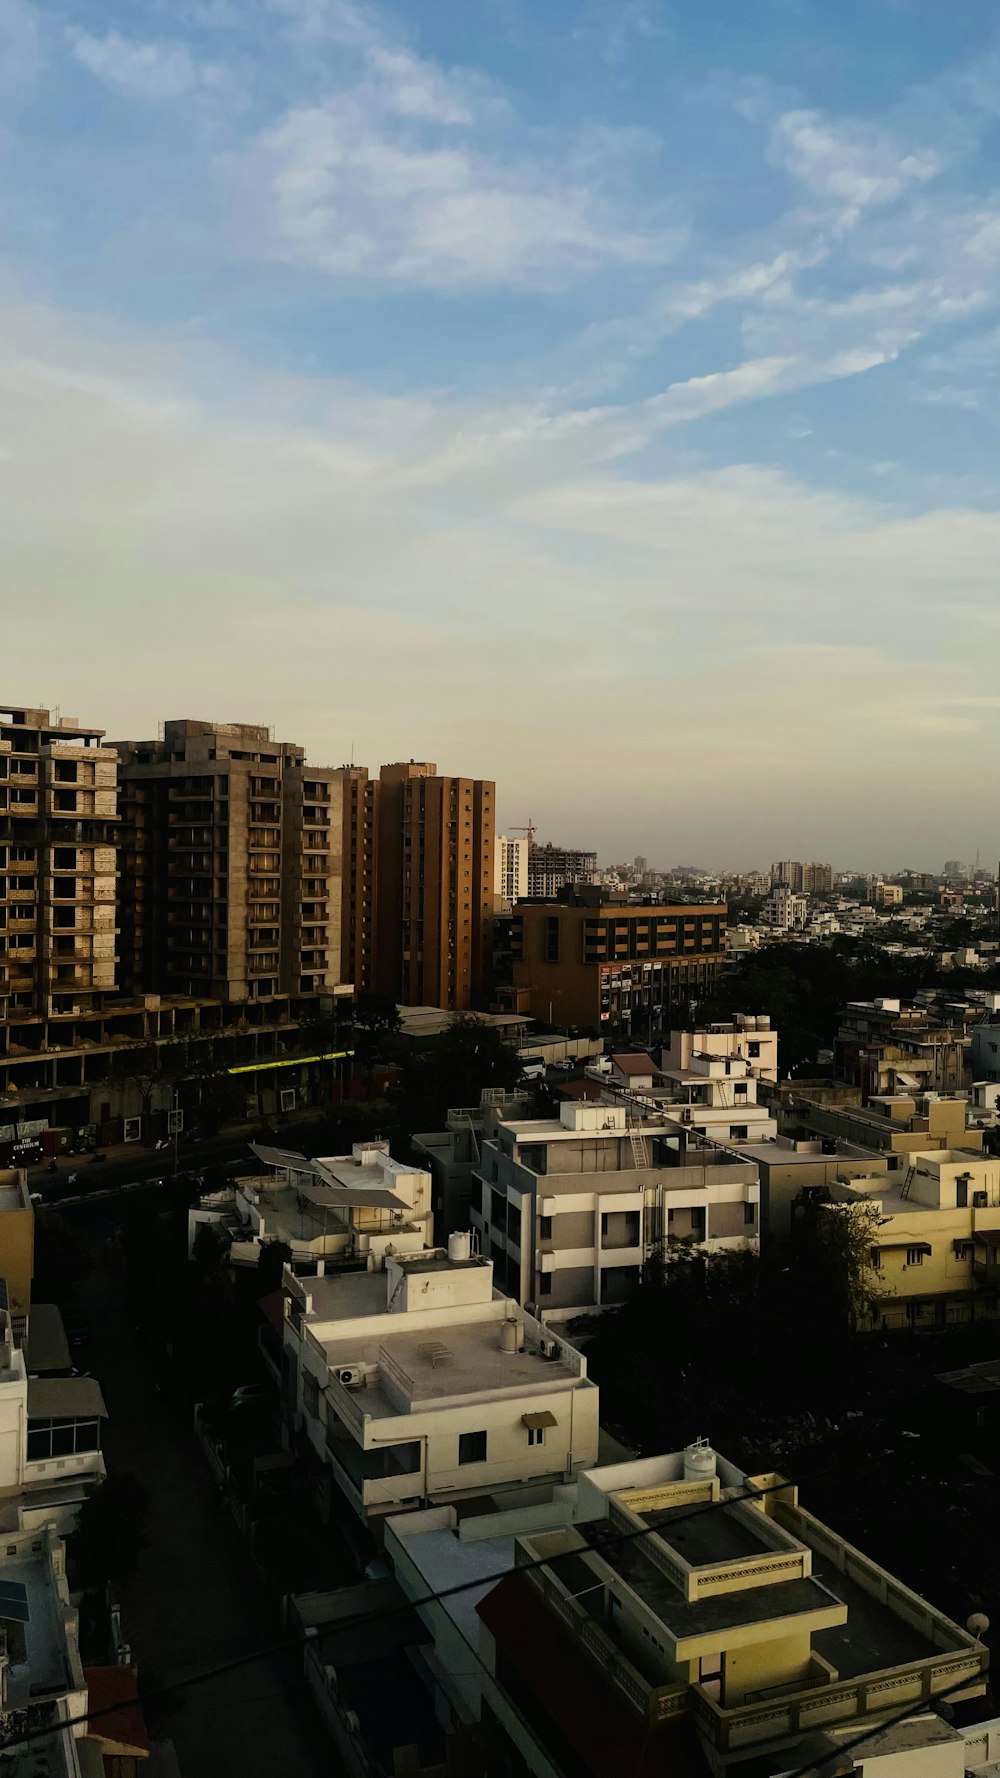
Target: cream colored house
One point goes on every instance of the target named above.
(936, 1249)
(420, 1383)
(50, 1441)
(748, 1039)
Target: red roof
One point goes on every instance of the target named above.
(122, 1729)
(580, 1089)
(585, 1710)
(635, 1064)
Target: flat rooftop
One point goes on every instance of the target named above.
(12, 1195)
(443, 1362)
(777, 1155)
(702, 1538)
(45, 1667)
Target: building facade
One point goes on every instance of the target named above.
(607, 964)
(748, 1039)
(58, 868)
(359, 862)
(435, 887)
(551, 868)
(511, 875)
(419, 1383)
(570, 1208)
(231, 865)
(784, 910)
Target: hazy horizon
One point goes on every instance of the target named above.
(598, 398)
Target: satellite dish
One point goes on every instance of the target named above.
(978, 1624)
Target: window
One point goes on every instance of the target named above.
(545, 1284)
(738, 1132)
(545, 1228)
(876, 1259)
(914, 1256)
(740, 1089)
(753, 1049)
(750, 1214)
(551, 938)
(980, 1200)
(536, 1435)
(60, 1438)
(64, 857)
(472, 1447)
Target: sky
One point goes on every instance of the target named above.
(600, 396)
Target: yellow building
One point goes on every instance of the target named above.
(17, 1246)
(936, 1250)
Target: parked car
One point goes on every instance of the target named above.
(565, 1067)
(253, 1395)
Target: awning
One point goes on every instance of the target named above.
(65, 1398)
(990, 1237)
(48, 1347)
(899, 1246)
(278, 1157)
(534, 1421)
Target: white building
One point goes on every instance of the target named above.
(784, 911)
(421, 1384)
(717, 1097)
(749, 1039)
(510, 882)
(336, 1211)
(50, 1438)
(572, 1206)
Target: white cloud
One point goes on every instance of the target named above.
(344, 192)
(158, 71)
(846, 161)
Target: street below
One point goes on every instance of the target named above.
(196, 1599)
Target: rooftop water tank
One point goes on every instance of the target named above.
(700, 1462)
(460, 1244)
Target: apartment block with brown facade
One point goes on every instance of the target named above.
(58, 828)
(589, 961)
(435, 886)
(231, 865)
(360, 857)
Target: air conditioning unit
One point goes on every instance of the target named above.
(548, 1346)
(351, 1376)
(685, 1116)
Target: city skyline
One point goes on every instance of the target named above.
(416, 381)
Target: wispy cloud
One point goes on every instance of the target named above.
(156, 71)
(856, 166)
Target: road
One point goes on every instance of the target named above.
(196, 1599)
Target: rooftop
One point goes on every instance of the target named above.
(443, 1362)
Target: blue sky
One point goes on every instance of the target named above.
(598, 397)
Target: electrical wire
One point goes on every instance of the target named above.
(380, 1613)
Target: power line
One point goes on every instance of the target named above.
(382, 1612)
(397, 1608)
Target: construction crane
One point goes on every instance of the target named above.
(530, 830)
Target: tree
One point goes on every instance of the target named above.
(110, 1532)
(466, 1058)
(376, 1022)
(274, 1255)
(836, 1242)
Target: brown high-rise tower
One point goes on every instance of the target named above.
(231, 865)
(434, 887)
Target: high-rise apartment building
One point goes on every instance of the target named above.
(231, 865)
(58, 827)
(434, 886)
(511, 874)
(550, 868)
(588, 960)
(788, 873)
(358, 899)
(802, 879)
(817, 879)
